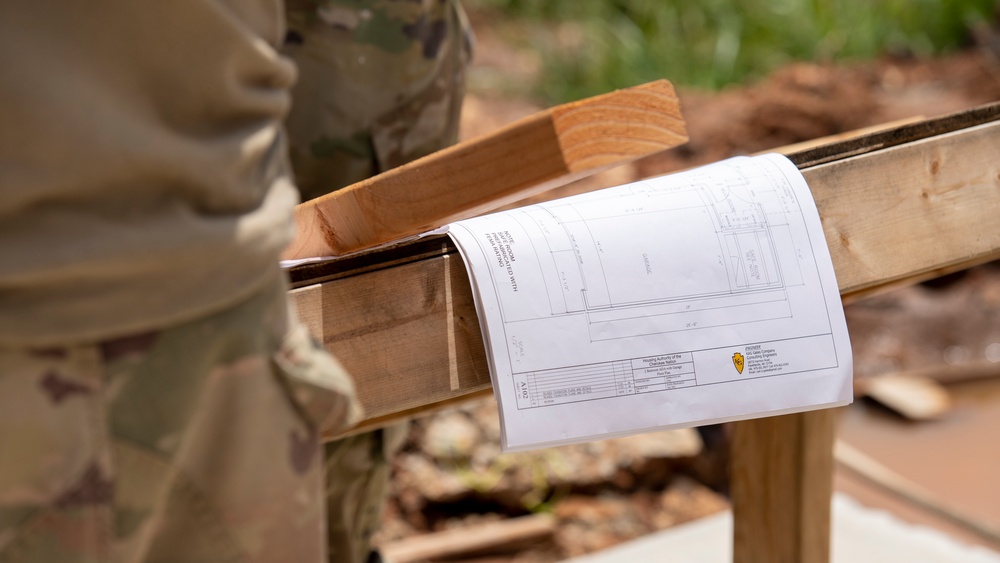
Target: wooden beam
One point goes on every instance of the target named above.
(782, 482)
(891, 217)
(409, 334)
(799, 152)
(912, 212)
(538, 153)
(881, 138)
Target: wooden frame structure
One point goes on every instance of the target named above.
(897, 207)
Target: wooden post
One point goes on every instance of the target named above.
(782, 482)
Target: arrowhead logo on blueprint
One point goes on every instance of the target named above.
(738, 362)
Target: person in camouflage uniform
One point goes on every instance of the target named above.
(158, 401)
(380, 83)
(94, 437)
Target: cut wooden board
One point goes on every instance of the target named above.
(880, 138)
(537, 153)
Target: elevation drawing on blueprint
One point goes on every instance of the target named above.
(699, 297)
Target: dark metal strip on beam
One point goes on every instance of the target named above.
(897, 136)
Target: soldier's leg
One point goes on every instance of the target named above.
(380, 84)
(55, 462)
(357, 472)
(198, 442)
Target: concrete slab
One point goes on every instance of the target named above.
(860, 535)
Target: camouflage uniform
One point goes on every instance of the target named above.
(194, 443)
(380, 83)
(157, 402)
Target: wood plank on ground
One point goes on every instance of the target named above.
(501, 536)
(409, 335)
(911, 212)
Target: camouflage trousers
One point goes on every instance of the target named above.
(358, 471)
(381, 83)
(198, 442)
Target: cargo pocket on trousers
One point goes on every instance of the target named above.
(55, 475)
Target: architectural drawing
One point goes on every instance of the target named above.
(733, 276)
(709, 292)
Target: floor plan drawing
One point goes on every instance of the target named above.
(715, 276)
(736, 271)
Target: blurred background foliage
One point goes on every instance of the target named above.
(592, 46)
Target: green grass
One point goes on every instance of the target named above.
(592, 46)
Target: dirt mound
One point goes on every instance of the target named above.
(807, 101)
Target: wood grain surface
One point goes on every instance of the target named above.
(781, 482)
